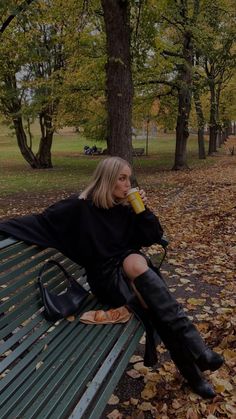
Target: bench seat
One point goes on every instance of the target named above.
(138, 151)
(54, 370)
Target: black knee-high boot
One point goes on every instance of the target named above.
(184, 362)
(168, 312)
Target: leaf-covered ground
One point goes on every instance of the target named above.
(198, 211)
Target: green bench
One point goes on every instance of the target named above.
(54, 370)
(138, 151)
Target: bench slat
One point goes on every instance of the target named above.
(73, 372)
(20, 257)
(50, 341)
(52, 377)
(30, 278)
(24, 365)
(113, 378)
(105, 369)
(6, 242)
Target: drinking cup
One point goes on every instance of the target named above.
(135, 200)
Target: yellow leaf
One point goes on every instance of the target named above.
(113, 400)
(38, 365)
(135, 358)
(141, 368)
(152, 376)
(149, 391)
(147, 406)
(133, 401)
(115, 414)
(196, 301)
(229, 354)
(184, 281)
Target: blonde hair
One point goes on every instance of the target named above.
(103, 182)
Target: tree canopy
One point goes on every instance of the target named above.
(71, 64)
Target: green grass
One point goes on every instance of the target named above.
(72, 169)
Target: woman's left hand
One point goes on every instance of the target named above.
(142, 193)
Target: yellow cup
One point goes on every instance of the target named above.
(135, 200)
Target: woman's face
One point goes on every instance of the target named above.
(123, 184)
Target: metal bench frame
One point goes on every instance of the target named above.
(54, 370)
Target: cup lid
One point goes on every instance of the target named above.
(132, 190)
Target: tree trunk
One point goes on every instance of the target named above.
(25, 150)
(119, 84)
(201, 123)
(184, 104)
(44, 151)
(213, 122)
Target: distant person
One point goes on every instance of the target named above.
(100, 231)
(87, 150)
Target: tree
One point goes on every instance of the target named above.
(171, 56)
(119, 84)
(31, 82)
(16, 10)
(216, 40)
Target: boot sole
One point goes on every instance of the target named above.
(212, 367)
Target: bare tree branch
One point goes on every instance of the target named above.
(21, 8)
(172, 54)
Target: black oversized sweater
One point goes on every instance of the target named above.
(85, 233)
(90, 236)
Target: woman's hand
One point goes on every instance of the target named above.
(142, 193)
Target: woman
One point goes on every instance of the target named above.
(100, 231)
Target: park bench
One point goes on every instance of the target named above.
(138, 151)
(54, 370)
(98, 151)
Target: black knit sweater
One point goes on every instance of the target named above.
(85, 233)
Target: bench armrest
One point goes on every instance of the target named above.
(164, 242)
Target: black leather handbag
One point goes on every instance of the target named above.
(58, 306)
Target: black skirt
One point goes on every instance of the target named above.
(109, 282)
(111, 286)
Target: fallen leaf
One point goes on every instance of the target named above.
(113, 400)
(196, 301)
(135, 358)
(38, 365)
(133, 401)
(141, 368)
(115, 414)
(146, 406)
(133, 373)
(192, 414)
(149, 391)
(176, 404)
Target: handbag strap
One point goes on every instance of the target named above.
(52, 262)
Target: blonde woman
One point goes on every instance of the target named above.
(99, 230)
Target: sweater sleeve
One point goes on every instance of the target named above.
(148, 229)
(54, 227)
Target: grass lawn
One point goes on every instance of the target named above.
(72, 168)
